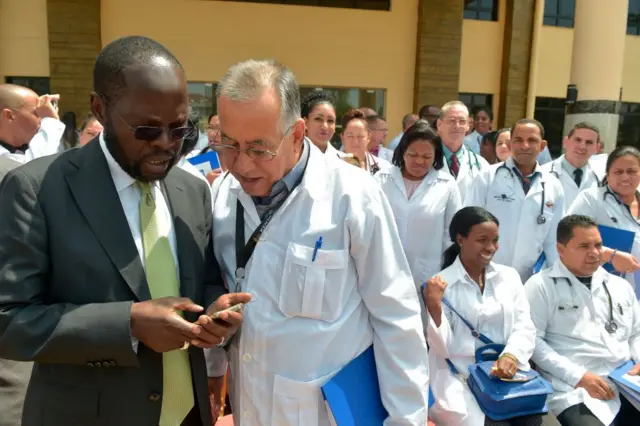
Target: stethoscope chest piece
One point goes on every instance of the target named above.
(611, 327)
(542, 220)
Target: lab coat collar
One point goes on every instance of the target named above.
(559, 270)
(460, 271)
(398, 179)
(536, 184)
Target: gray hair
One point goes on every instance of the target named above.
(451, 105)
(247, 81)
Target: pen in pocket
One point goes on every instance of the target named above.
(316, 248)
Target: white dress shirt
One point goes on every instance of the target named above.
(45, 142)
(501, 313)
(572, 341)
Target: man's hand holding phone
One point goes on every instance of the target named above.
(221, 321)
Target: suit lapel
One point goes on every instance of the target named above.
(180, 206)
(92, 188)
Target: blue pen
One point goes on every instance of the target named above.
(316, 248)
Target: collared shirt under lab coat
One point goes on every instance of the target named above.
(471, 166)
(609, 211)
(45, 142)
(501, 313)
(310, 318)
(571, 342)
(428, 212)
(569, 187)
(522, 240)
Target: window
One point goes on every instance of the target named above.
(40, 85)
(202, 100)
(472, 100)
(559, 13)
(483, 10)
(346, 98)
(633, 18)
(629, 127)
(550, 112)
(345, 4)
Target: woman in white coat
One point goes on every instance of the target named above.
(492, 298)
(617, 205)
(423, 198)
(319, 113)
(355, 139)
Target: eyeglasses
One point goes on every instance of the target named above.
(152, 133)
(453, 121)
(232, 152)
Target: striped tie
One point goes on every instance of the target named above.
(177, 399)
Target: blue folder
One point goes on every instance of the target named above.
(353, 395)
(617, 239)
(630, 389)
(206, 162)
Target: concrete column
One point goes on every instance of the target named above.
(74, 43)
(516, 56)
(438, 50)
(596, 66)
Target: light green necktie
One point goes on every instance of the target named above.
(177, 399)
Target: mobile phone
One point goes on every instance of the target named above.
(235, 308)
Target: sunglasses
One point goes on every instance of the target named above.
(152, 133)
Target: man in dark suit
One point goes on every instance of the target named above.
(106, 260)
(14, 376)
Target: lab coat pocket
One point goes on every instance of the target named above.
(313, 288)
(298, 403)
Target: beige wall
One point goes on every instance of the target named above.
(24, 40)
(556, 46)
(323, 46)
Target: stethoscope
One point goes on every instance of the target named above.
(610, 326)
(609, 192)
(373, 168)
(555, 173)
(541, 220)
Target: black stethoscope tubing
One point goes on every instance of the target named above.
(610, 326)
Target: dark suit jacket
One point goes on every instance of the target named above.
(69, 273)
(14, 376)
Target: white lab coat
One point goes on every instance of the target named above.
(470, 166)
(589, 180)
(598, 163)
(570, 341)
(385, 154)
(310, 318)
(45, 142)
(428, 212)
(522, 240)
(609, 211)
(501, 314)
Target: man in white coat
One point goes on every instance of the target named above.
(528, 201)
(460, 162)
(305, 235)
(573, 169)
(573, 306)
(29, 125)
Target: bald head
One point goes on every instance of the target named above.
(368, 112)
(14, 97)
(134, 61)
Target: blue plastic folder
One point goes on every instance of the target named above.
(353, 395)
(206, 162)
(629, 386)
(616, 239)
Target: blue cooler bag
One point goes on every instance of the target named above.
(524, 395)
(501, 400)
